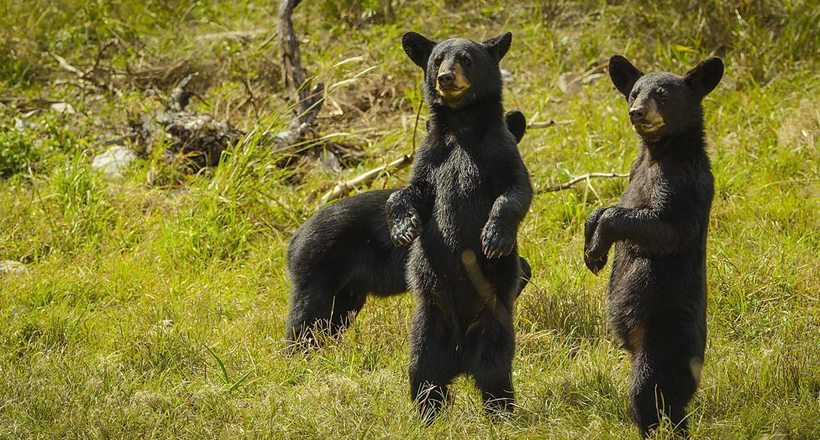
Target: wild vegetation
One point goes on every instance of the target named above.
(153, 304)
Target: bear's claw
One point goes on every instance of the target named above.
(497, 241)
(404, 232)
(594, 265)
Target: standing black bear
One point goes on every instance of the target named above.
(467, 194)
(657, 292)
(343, 253)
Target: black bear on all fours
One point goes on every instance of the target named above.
(343, 253)
(468, 193)
(657, 292)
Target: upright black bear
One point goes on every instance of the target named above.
(343, 253)
(657, 292)
(467, 194)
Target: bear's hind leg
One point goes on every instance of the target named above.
(433, 362)
(320, 309)
(346, 305)
(493, 373)
(306, 309)
(663, 383)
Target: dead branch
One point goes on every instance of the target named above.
(82, 77)
(243, 36)
(22, 100)
(585, 177)
(190, 139)
(100, 53)
(291, 55)
(251, 96)
(65, 65)
(292, 61)
(309, 100)
(596, 69)
(550, 123)
(345, 187)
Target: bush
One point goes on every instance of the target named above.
(17, 151)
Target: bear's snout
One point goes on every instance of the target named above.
(645, 116)
(446, 79)
(636, 114)
(450, 76)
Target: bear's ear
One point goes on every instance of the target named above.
(516, 123)
(705, 76)
(623, 74)
(417, 48)
(498, 46)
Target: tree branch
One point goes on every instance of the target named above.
(309, 99)
(545, 124)
(342, 188)
(585, 177)
(21, 100)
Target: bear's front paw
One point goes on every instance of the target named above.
(497, 240)
(595, 253)
(594, 265)
(405, 230)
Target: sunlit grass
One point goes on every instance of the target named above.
(153, 305)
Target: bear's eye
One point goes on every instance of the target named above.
(660, 92)
(633, 95)
(437, 61)
(467, 60)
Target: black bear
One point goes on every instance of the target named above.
(343, 253)
(460, 212)
(657, 291)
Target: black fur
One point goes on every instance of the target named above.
(467, 194)
(657, 291)
(343, 253)
(335, 259)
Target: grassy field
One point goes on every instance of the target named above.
(153, 305)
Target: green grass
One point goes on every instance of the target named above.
(156, 309)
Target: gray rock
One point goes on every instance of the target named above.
(568, 83)
(113, 161)
(63, 107)
(329, 161)
(11, 267)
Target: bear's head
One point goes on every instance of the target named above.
(662, 103)
(458, 72)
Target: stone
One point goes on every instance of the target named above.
(11, 267)
(113, 161)
(63, 107)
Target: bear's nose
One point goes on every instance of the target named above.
(637, 113)
(446, 79)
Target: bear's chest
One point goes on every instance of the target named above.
(645, 187)
(463, 197)
(459, 176)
